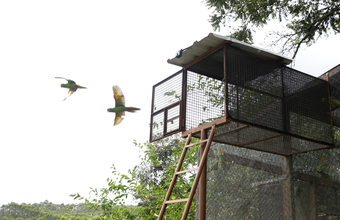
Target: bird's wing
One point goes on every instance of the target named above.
(119, 118)
(68, 80)
(70, 92)
(60, 78)
(118, 95)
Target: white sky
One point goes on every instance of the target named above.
(51, 148)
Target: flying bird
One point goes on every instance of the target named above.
(71, 85)
(120, 105)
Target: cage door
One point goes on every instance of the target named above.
(166, 118)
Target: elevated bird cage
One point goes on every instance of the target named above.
(274, 154)
(254, 98)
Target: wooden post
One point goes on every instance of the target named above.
(225, 75)
(183, 105)
(203, 181)
(287, 190)
(312, 201)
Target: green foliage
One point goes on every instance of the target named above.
(307, 20)
(147, 183)
(45, 211)
(173, 93)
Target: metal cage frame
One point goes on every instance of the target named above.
(223, 64)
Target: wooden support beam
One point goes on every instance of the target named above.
(185, 171)
(220, 121)
(204, 55)
(287, 163)
(312, 201)
(176, 201)
(197, 143)
(203, 181)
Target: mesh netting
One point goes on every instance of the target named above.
(248, 184)
(205, 100)
(165, 112)
(267, 94)
(333, 77)
(244, 135)
(274, 108)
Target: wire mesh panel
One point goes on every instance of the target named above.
(333, 78)
(205, 100)
(248, 184)
(274, 108)
(266, 94)
(166, 107)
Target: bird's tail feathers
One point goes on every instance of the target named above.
(131, 109)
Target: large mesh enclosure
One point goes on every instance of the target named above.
(249, 184)
(274, 108)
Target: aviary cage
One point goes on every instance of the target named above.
(274, 129)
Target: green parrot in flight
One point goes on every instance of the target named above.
(71, 85)
(120, 105)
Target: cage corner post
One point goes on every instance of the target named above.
(182, 116)
(225, 74)
(287, 184)
(312, 201)
(203, 181)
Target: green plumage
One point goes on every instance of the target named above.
(71, 85)
(120, 108)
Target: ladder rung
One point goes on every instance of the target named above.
(184, 171)
(175, 201)
(200, 142)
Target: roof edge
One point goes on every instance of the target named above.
(212, 40)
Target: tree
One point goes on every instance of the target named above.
(147, 183)
(307, 20)
(45, 211)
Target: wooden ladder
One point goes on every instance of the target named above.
(199, 169)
